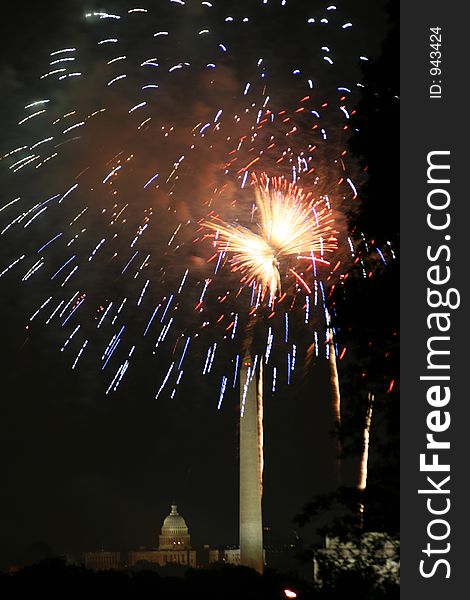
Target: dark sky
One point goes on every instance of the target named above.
(81, 469)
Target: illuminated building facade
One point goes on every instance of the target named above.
(102, 561)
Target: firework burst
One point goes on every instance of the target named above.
(291, 224)
(126, 148)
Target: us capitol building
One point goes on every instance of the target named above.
(173, 544)
(174, 547)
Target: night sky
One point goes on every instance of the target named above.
(81, 469)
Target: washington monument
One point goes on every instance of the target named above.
(251, 465)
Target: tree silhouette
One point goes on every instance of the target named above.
(365, 314)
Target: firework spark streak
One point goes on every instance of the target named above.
(335, 397)
(362, 483)
(365, 445)
(260, 426)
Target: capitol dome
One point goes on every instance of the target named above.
(174, 522)
(174, 534)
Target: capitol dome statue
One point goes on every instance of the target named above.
(174, 534)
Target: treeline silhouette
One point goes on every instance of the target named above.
(366, 312)
(57, 578)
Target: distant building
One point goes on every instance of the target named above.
(174, 547)
(102, 561)
(173, 544)
(207, 556)
(282, 552)
(232, 556)
(377, 550)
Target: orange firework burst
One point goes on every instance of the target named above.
(290, 223)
